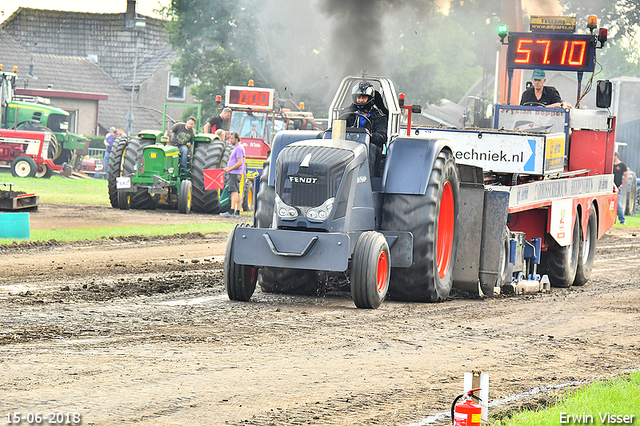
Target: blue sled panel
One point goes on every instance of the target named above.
(319, 251)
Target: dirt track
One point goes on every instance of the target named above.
(141, 331)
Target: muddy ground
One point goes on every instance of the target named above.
(140, 331)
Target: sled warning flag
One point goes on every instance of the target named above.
(213, 179)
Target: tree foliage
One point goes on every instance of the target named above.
(210, 38)
(620, 57)
(291, 46)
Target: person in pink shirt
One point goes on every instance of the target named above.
(236, 167)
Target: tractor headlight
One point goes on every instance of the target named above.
(285, 211)
(320, 213)
(170, 170)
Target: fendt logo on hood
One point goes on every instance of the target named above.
(300, 179)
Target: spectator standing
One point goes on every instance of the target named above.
(181, 135)
(620, 177)
(235, 169)
(108, 144)
(216, 122)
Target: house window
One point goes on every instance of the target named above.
(176, 90)
(73, 120)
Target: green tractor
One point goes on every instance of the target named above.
(144, 172)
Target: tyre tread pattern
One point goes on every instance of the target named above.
(364, 268)
(583, 272)
(205, 156)
(419, 215)
(114, 169)
(141, 199)
(561, 264)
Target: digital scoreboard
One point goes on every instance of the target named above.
(249, 97)
(552, 52)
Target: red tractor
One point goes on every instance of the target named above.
(256, 115)
(26, 152)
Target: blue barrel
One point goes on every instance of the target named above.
(15, 225)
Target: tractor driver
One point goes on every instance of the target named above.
(365, 114)
(181, 135)
(542, 95)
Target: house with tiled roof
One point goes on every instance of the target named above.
(95, 53)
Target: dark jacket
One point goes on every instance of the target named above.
(549, 96)
(376, 118)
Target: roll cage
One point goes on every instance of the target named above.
(386, 99)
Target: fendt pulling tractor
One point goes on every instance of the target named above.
(488, 211)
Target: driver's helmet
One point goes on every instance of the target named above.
(363, 89)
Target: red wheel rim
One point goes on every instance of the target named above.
(383, 271)
(446, 223)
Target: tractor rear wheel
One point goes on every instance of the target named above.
(114, 169)
(63, 156)
(279, 280)
(239, 280)
(141, 199)
(561, 264)
(587, 249)
(23, 166)
(184, 199)
(52, 152)
(370, 270)
(205, 156)
(431, 218)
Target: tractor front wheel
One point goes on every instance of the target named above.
(114, 169)
(43, 171)
(370, 270)
(239, 280)
(184, 199)
(124, 200)
(23, 166)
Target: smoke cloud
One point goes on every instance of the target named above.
(357, 37)
(542, 7)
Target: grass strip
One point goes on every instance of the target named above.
(79, 234)
(601, 402)
(60, 190)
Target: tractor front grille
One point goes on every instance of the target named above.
(318, 179)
